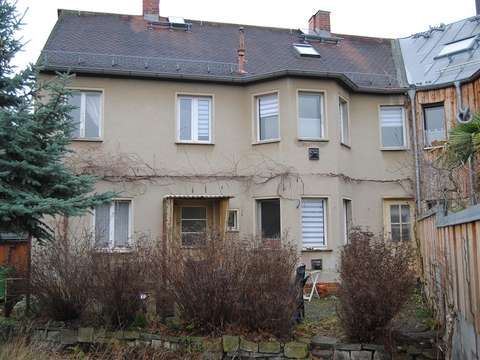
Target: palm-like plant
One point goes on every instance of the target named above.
(463, 142)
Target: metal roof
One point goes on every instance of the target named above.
(424, 65)
(125, 45)
(190, 196)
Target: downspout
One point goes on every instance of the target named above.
(463, 116)
(411, 93)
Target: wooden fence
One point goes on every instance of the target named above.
(450, 256)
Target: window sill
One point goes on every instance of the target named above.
(260, 142)
(233, 230)
(319, 249)
(313, 139)
(403, 148)
(114, 250)
(88, 139)
(345, 145)
(193, 143)
(436, 147)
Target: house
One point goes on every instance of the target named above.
(443, 72)
(282, 134)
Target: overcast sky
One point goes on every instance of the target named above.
(384, 18)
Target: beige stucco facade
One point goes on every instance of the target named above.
(139, 119)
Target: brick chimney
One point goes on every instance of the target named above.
(321, 21)
(151, 9)
(241, 51)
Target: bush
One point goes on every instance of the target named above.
(120, 280)
(62, 275)
(376, 278)
(230, 284)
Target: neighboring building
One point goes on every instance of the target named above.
(276, 133)
(443, 71)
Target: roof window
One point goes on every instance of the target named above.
(306, 50)
(457, 46)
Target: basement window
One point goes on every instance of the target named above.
(306, 50)
(457, 46)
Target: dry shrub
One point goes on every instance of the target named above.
(119, 281)
(20, 348)
(377, 277)
(61, 276)
(228, 283)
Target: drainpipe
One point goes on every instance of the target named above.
(411, 93)
(463, 116)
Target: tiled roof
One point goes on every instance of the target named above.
(425, 68)
(130, 46)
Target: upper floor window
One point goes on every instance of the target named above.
(434, 124)
(194, 121)
(268, 127)
(392, 124)
(310, 115)
(113, 225)
(344, 125)
(87, 115)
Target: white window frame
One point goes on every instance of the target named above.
(325, 222)
(426, 145)
(387, 202)
(404, 126)
(194, 120)
(111, 235)
(82, 109)
(258, 214)
(256, 110)
(306, 50)
(193, 232)
(323, 112)
(236, 226)
(344, 216)
(344, 141)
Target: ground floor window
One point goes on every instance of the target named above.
(113, 225)
(232, 220)
(398, 220)
(347, 219)
(314, 223)
(193, 225)
(268, 211)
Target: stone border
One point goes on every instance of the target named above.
(227, 347)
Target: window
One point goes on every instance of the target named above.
(267, 117)
(457, 46)
(434, 124)
(347, 219)
(392, 123)
(398, 220)
(310, 115)
(194, 119)
(193, 225)
(314, 223)
(113, 225)
(232, 220)
(269, 218)
(306, 50)
(87, 115)
(344, 125)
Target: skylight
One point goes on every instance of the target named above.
(176, 20)
(306, 50)
(457, 46)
